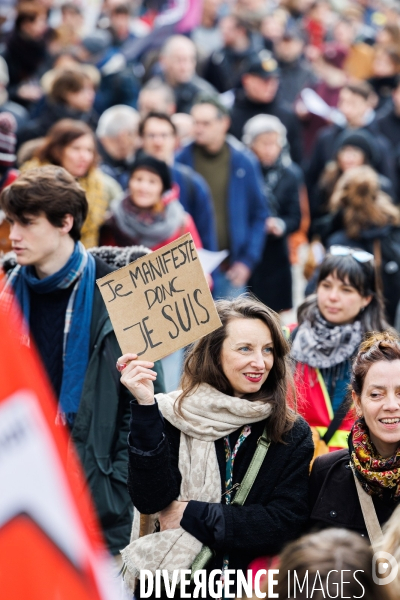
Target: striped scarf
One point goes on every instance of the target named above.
(80, 272)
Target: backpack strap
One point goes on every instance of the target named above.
(263, 443)
(244, 488)
(369, 513)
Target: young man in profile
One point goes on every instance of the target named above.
(55, 285)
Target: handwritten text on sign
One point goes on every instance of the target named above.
(160, 302)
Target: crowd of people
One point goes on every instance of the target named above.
(259, 127)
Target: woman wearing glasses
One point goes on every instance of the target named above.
(359, 487)
(332, 323)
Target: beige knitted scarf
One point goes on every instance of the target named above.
(208, 416)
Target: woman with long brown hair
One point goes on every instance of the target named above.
(190, 449)
(72, 145)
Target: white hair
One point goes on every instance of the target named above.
(263, 124)
(176, 40)
(116, 119)
(155, 84)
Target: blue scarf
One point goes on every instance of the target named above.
(80, 271)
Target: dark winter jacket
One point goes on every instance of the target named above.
(118, 169)
(247, 205)
(49, 115)
(121, 87)
(274, 512)
(24, 57)
(294, 77)
(101, 426)
(185, 93)
(271, 280)
(225, 66)
(333, 495)
(389, 126)
(244, 109)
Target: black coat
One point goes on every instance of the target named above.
(49, 115)
(333, 495)
(186, 93)
(271, 280)
(389, 125)
(294, 77)
(275, 511)
(244, 109)
(24, 57)
(224, 67)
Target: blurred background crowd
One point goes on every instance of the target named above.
(275, 119)
(266, 128)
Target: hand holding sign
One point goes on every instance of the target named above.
(161, 302)
(138, 377)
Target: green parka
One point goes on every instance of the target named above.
(101, 427)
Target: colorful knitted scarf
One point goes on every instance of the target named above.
(374, 472)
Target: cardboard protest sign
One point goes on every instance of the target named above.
(160, 302)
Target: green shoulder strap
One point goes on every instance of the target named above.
(244, 488)
(242, 492)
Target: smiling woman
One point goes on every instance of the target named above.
(331, 326)
(372, 460)
(190, 450)
(72, 145)
(150, 213)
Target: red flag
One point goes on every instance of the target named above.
(50, 546)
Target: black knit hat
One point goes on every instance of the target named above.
(362, 139)
(159, 167)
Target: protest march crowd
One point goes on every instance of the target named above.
(269, 129)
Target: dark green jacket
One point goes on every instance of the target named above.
(101, 426)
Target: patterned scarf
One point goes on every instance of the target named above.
(322, 345)
(230, 461)
(208, 415)
(148, 227)
(375, 473)
(80, 271)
